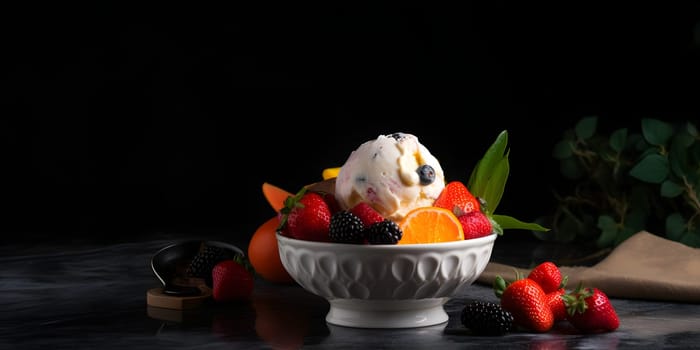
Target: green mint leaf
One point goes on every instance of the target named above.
(656, 132)
(488, 181)
(484, 169)
(586, 127)
(509, 222)
(493, 191)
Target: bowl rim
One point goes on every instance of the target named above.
(466, 243)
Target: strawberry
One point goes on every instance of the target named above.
(590, 311)
(306, 216)
(367, 214)
(475, 224)
(548, 276)
(456, 195)
(556, 303)
(526, 301)
(232, 279)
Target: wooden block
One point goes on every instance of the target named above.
(163, 314)
(156, 298)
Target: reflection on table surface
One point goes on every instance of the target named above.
(92, 295)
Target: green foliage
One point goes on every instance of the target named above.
(628, 181)
(488, 179)
(488, 182)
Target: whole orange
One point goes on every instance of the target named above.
(264, 254)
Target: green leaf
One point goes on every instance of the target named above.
(656, 132)
(585, 128)
(290, 203)
(499, 285)
(647, 151)
(636, 142)
(606, 222)
(652, 168)
(509, 222)
(692, 237)
(684, 140)
(679, 153)
(607, 237)
(488, 181)
(692, 129)
(691, 240)
(485, 167)
(618, 139)
(563, 149)
(608, 231)
(675, 226)
(670, 189)
(493, 192)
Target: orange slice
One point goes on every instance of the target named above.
(275, 196)
(330, 173)
(430, 225)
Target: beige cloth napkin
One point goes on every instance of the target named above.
(644, 266)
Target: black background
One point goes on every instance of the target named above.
(121, 119)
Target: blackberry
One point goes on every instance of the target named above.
(426, 174)
(384, 232)
(487, 318)
(346, 227)
(204, 261)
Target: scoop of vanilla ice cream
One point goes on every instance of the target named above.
(386, 174)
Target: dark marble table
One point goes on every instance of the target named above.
(92, 295)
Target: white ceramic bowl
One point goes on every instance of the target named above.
(385, 286)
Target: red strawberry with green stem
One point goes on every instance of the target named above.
(457, 195)
(526, 301)
(306, 216)
(548, 276)
(590, 310)
(233, 279)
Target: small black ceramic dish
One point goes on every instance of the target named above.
(170, 263)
